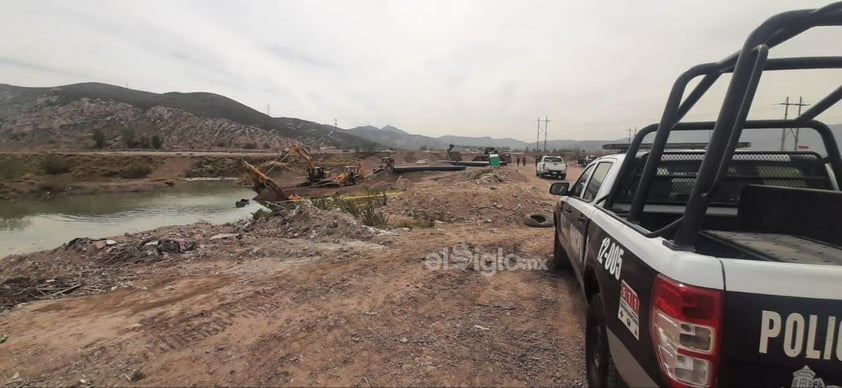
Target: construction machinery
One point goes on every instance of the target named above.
(315, 174)
(350, 175)
(453, 156)
(267, 189)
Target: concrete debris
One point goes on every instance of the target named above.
(221, 236)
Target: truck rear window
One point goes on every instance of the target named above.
(552, 160)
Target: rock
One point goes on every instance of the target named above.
(110, 242)
(134, 375)
(404, 340)
(222, 236)
(175, 246)
(99, 244)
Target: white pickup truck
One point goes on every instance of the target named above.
(714, 267)
(551, 166)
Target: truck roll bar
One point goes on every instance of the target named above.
(747, 66)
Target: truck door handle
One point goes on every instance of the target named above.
(582, 218)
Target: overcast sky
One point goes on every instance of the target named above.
(431, 67)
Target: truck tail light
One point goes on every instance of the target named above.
(686, 331)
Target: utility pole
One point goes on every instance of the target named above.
(538, 137)
(268, 109)
(786, 105)
(335, 123)
(629, 130)
(546, 121)
(798, 130)
(786, 113)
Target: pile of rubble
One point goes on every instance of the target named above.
(303, 220)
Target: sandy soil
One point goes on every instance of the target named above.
(307, 297)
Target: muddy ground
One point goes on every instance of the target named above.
(308, 297)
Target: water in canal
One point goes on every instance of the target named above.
(33, 225)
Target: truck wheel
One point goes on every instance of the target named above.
(559, 262)
(562, 176)
(598, 362)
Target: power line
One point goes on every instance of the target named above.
(546, 122)
(797, 131)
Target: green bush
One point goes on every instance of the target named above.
(54, 184)
(54, 165)
(157, 142)
(129, 138)
(99, 139)
(136, 170)
(11, 169)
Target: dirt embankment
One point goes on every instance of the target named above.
(307, 297)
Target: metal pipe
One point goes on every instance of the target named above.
(668, 119)
(761, 53)
(821, 106)
(727, 121)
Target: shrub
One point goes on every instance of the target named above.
(54, 184)
(250, 146)
(129, 137)
(136, 170)
(54, 165)
(157, 142)
(99, 139)
(11, 169)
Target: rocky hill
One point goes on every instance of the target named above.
(399, 139)
(68, 116)
(762, 140)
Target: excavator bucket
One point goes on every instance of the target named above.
(267, 189)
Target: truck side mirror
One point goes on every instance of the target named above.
(560, 188)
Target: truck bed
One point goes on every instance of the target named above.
(783, 248)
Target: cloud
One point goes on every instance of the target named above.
(471, 67)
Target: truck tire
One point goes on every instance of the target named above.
(562, 176)
(559, 261)
(538, 221)
(599, 365)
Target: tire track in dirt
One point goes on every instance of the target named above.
(178, 332)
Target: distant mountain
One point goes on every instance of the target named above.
(66, 116)
(399, 139)
(395, 138)
(763, 140)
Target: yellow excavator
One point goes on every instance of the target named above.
(263, 182)
(315, 174)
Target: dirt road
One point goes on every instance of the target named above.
(313, 298)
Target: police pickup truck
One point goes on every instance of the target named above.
(714, 267)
